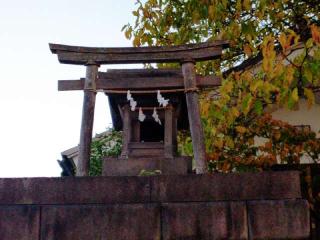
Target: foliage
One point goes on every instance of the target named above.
(184, 143)
(107, 144)
(273, 59)
(279, 142)
(144, 172)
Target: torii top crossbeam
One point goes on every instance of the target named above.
(84, 55)
(92, 58)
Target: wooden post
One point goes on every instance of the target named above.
(89, 100)
(196, 130)
(168, 131)
(136, 131)
(126, 131)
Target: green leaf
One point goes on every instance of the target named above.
(310, 96)
(293, 98)
(258, 107)
(246, 103)
(309, 43)
(307, 73)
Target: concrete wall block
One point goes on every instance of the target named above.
(282, 219)
(19, 222)
(112, 222)
(74, 190)
(217, 220)
(222, 187)
(134, 165)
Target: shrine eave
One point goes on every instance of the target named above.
(126, 55)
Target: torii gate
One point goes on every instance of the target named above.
(92, 58)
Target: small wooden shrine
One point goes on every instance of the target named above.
(149, 143)
(148, 105)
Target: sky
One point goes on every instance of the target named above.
(37, 122)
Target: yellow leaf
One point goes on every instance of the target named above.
(278, 70)
(256, 85)
(277, 135)
(247, 50)
(211, 12)
(308, 74)
(219, 143)
(226, 167)
(294, 95)
(213, 131)
(268, 53)
(280, 15)
(229, 142)
(136, 41)
(238, 6)
(195, 17)
(289, 75)
(205, 108)
(128, 33)
(310, 96)
(237, 76)
(309, 43)
(235, 112)
(247, 4)
(227, 87)
(315, 31)
(267, 64)
(283, 41)
(241, 129)
(247, 76)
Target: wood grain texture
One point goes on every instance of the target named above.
(194, 117)
(139, 83)
(127, 130)
(89, 100)
(168, 132)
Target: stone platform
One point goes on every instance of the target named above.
(132, 166)
(234, 206)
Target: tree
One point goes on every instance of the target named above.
(262, 33)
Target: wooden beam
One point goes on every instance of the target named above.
(145, 72)
(168, 131)
(139, 83)
(194, 117)
(87, 120)
(83, 55)
(70, 85)
(127, 130)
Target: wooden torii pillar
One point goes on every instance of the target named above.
(91, 57)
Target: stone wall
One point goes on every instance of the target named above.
(234, 206)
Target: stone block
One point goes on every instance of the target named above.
(112, 222)
(222, 187)
(282, 219)
(74, 190)
(133, 166)
(19, 222)
(216, 220)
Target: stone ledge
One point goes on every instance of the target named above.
(74, 190)
(220, 187)
(133, 166)
(181, 188)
